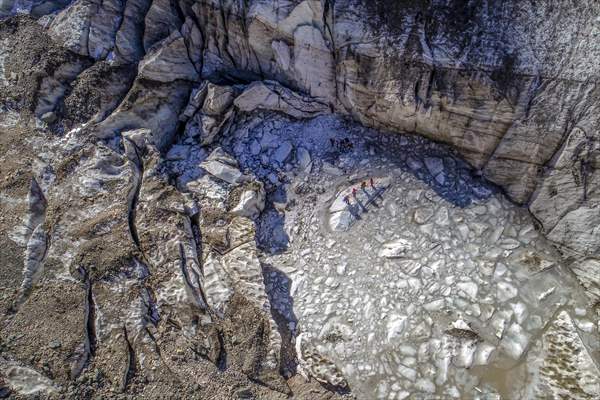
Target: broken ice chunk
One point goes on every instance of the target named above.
(506, 291)
(397, 248)
(515, 341)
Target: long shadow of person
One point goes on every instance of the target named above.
(371, 197)
(362, 206)
(354, 210)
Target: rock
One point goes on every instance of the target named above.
(470, 289)
(425, 385)
(283, 152)
(435, 166)
(414, 164)
(218, 99)
(55, 344)
(194, 41)
(26, 381)
(564, 202)
(151, 105)
(303, 159)
(441, 217)
(408, 373)
(196, 100)
(49, 117)
(314, 64)
(88, 28)
(251, 204)
(396, 249)
(139, 137)
(220, 165)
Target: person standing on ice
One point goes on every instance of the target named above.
(372, 183)
(354, 192)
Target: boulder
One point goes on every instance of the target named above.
(251, 203)
(218, 99)
(283, 152)
(222, 166)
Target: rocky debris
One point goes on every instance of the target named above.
(209, 110)
(96, 92)
(39, 72)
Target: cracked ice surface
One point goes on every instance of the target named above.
(437, 277)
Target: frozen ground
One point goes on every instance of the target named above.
(437, 288)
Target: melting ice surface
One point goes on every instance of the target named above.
(439, 288)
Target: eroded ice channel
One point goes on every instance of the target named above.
(440, 288)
